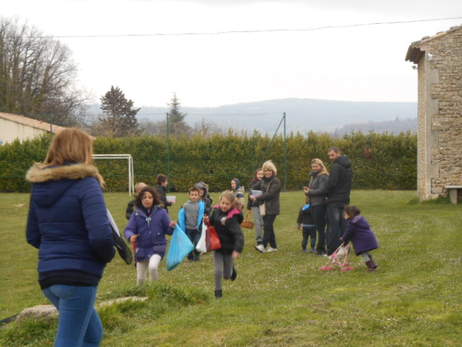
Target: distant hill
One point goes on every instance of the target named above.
(303, 115)
(393, 127)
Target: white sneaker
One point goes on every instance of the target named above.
(260, 248)
(271, 249)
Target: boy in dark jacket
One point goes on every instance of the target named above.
(306, 224)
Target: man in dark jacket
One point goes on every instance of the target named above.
(338, 195)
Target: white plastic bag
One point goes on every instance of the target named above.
(202, 243)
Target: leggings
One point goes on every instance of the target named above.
(309, 233)
(366, 256)
(223, 268)
(152, 265)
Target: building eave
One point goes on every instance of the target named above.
(415, 51)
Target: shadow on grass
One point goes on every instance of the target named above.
(162, 298)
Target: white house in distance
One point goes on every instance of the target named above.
(14, 126)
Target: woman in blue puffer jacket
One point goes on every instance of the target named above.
(68, 223)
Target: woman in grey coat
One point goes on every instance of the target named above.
(316, 195)
(270, 207)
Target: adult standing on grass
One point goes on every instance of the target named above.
(316, 193)
(338, 196)
(68, 223)
(271, 188)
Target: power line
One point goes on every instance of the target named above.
(251, 31)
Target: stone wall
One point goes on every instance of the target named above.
(440, 115)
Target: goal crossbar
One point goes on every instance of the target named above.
(131, 173)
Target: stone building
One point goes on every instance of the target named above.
(439, 64)
(14, 126)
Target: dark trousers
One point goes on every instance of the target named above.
(336, 226)
(268, 231)
(309, 233)
(194, 236)
(319, 216)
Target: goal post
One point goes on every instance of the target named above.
(131, 173)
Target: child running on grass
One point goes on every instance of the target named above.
(148, 226)
(360, 234)
(204, 195)
(227, 219)
(131, 204)
(238, 191)
(190, 218)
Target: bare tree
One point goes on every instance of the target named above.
(158, 128)
(206, 128)
(36, 75)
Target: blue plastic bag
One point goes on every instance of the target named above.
(180, 247)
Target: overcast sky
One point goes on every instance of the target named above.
(361, 64)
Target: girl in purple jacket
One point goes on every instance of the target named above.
(147, 228)
(360, 234)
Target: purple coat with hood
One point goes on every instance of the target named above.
(360, 234)
(151, 226)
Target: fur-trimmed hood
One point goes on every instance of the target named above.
(51, 183)
(40, 173)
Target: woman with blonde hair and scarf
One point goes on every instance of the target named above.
(316, 195)
(271, 187)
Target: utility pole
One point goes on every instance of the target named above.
(286, 151)
(168, 145)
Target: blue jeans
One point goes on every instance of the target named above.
(79, 323)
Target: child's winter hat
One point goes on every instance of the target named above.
(202, 185)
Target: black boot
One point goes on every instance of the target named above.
(218, 293)
(234, 274)
(371, 265)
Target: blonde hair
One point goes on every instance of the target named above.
(139, 187)
(229, 195)
(319, 162)
(71, 145)
(269, 165)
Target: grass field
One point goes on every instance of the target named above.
(280, 299)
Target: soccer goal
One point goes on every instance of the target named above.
(131, 173)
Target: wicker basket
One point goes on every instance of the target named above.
(247, 223)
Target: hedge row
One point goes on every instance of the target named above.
(380, 161)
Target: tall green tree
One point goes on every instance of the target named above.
(119, 116)
(176, 123)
